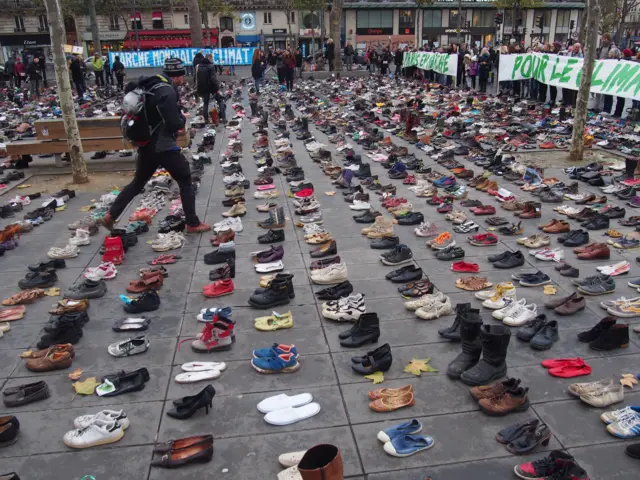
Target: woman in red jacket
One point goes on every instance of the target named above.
(289, 69)
(19, 71)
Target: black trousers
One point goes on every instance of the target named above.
(147, 161)
(205, 98)
(99, 77)
(289, 78)
(281, 75)
(553, 94)
(120, 80)
(542, 92)
(619, 107)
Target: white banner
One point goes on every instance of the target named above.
(620, 78)
(438, 62)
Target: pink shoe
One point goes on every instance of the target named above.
(271, 186)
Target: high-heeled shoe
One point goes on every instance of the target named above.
(193, 404)
(184, 400)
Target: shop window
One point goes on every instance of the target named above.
(456, 16)
(562, 26)
(267, 18)
(406, 22)
(226, 23)
(432, 19)
(136, 21)
(484, 18)
(19, 23)
(43, 23)
(114, 22)
(157, 20)
(380, 21)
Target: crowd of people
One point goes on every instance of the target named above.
(25, 67)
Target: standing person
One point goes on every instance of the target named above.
(485, 66)
(330, 53)
(271, 61)
(349, 52)
(119, 71)
(10, 69)
(299, 61)
(289, 69)
(603, 54)
(19, 71)
(197, 58)
(257, 69)
(385, 60)
(614, 54)
(98, 68)
(107, 70)
(398, 60)
(206, 83)
(42, 61)
(166, 120)
(77, 75)
(627, 54)
(569, 96)
(461, 71)
(280, 66)
(373, 60)
(34, 73)
(474, 68)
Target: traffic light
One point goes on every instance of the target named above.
(572, 24)
(498, 19)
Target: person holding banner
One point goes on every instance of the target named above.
(614, 54)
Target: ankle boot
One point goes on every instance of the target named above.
(492, 366)
(277, 293)
(322, 462)
(368, 330)
(471, 346)
(617, 336)
(453, 332)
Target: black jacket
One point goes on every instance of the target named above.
(348, 51)
(299, 59)
(164, 113)
(331, 51)
(197, 59)
(256, 69)
(76, 70)
(206, 80)
(399, 58)
(10, 67)
(118, 68)
(33, 70)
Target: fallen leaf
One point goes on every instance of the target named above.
(492, 229)
(26, 354)
(628, 382)
(416, 366)
(62, 208)
(86, 387)
(76, 374)
(377, 377)
(331, 194)
(27, 185)
(52, 292)
(549, 290)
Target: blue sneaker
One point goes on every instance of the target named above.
(406, 428)
(285, 363)
(207, 314)
(405, 445)
(275, 350)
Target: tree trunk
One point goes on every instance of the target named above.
(576, 153)
(582, 32)
(56, 27)
(95, 32)
(195, 24)
(205, 20)
(335, 22)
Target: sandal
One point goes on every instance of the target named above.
(11, 314)
(165, 259)
(68, 305)
(530, 440)
(24, 297)
(510, 434)
(473, 284)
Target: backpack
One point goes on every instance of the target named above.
(134, 122)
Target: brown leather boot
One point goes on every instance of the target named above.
(322, 462)
(514, 400)
(223, 237)
(535, 211)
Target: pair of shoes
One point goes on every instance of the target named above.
(401, 440)
(378, 360)
(501, 398)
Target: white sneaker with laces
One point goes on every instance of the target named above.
(359, 205)
(521, 315)
(232, 223)
(68, 251)
(503, 313)
(97, 433)
(104, 271)
(106, 416)
(497, 303)
(80, 238)
(334, 273)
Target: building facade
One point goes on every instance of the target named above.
(23, 25)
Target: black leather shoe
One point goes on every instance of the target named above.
(367, 331)
(272, 236)
(515, 259)
(411, 218)
(450, 253)
(367, 217)
(616, 336)
(374, 363)
(343, 289)
(385, 243)
(529, 329)
(597, 223)
(577, 238)
(406, 274)
(546, 336)
(591, 335)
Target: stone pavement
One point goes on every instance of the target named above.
(245, 446)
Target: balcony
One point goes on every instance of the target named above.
(19, 29)
(43, 29)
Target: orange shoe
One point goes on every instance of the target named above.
(201, 228)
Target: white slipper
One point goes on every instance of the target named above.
(203, 366)
(278, 402)
(291, 415)
(291, 473)
(270, 267)
(192, 377)
(5, 327)
(291, 459)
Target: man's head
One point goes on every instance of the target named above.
(174, 69)
(36, 59)
(97, 55)
(577, 48)
(117, 58)
(209, 57)
(606, 39)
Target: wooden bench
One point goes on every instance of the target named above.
(96, 134)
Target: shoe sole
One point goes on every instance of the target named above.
(219, 295)
(105, 441)
(391, 264)
(593, 294)
(284, 370)
(525, 284)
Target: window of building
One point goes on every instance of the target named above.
(374, 19)
(226, 23)
(114, 22)
(186, 19)
(19, 23)
(292, 17)
(43, 23)
(267, 18)
(484, 18)
(407, 22)
(136, 21)
(69, 24)
(546, 14)
(456, 16)
(562, 26)
(432, 19)
(156, 20)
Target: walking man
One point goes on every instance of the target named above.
(348, 55)
(166, 120)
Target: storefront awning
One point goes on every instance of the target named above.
(135, 16)
(157, 15)
(247, 38)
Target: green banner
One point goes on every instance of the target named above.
(438, 62)
(620, 78)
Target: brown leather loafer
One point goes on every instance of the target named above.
(599, 251)
(29, 394)
(50, 362)
(572, 306)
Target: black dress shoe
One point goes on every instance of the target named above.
(616, 336)
(529, 329)
(187, 406)
(367, 217)
(46, 265)
(272, 236)
(513, 260)
(406, 274)
(367, 330)
(577, 238)
(411, 218)
(615, 212)
(385, 243)
(380, 362)
(599, 222)
(341, 290)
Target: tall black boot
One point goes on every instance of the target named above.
(453, 332)
(368, 330)
(495, 342)
(305, 124)
(471, 346)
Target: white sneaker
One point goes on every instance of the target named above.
(97, 433)
(508, 290)
(262, 194)
(497, 303)
(425, 301)
(334, 305)
(168, 241)
(313, 228)
(269, 267)
(521, 315)
(551, 255)
(232, 223)
(68, 251)
(81, 238)
(334, 273)
(234, 178)
(348, 312)
(104, 271)
(106, 416)
(359, 205)
(435, 310)
(618, 415)
(503, 313)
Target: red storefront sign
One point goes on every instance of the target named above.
(155, 39)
